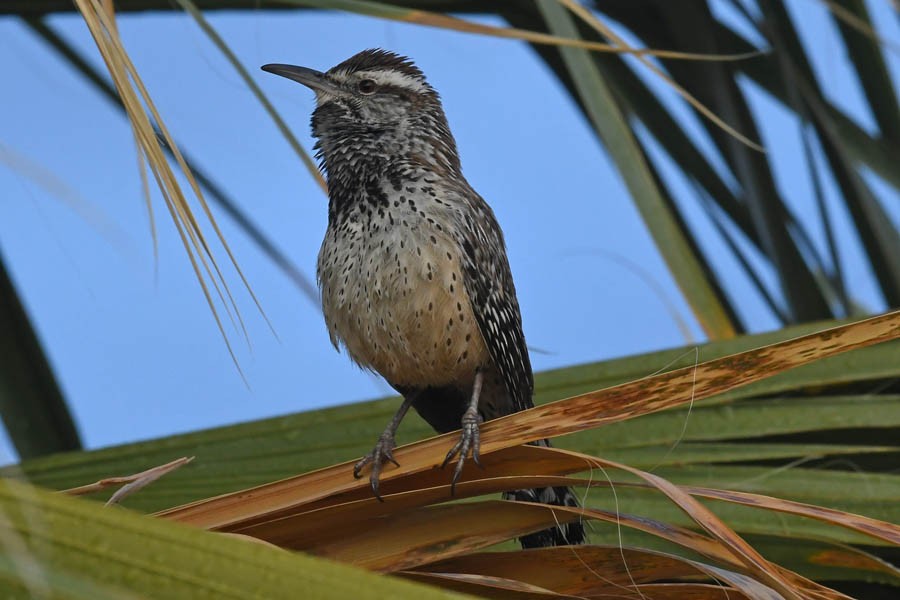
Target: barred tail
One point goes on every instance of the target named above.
(560, 535)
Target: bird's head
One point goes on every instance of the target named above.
(374, 100)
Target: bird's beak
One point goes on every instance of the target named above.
(314, 80)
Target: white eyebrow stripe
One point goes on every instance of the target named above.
(394, 78)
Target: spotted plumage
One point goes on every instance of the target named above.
(413, 272)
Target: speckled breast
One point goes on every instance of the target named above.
(393, 295)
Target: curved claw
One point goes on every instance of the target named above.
(389, 454)
(469, 439)
(359, 466)
(373, 483)
(456, 473)
(450, 454)
(383, 451)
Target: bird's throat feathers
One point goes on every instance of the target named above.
(354, 155)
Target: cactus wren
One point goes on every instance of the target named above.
(413, 270)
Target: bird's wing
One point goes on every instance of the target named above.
(490, 287)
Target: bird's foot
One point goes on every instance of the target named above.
(469, 439)
(381, 453)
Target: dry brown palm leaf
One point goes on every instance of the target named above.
(99, 16)
(414, 538)
(586, 411)
(684, 591)
(605, 30)
(330, 514)
(492, 587)
(312, 528)
(291, 529)
(575, 571)
(444, 21)
(487, 586)
(861, 25)
(875, 528)
(129, 483)
(882, 530)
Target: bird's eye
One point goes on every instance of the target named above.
(367, 86)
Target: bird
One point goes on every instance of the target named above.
(413, 273)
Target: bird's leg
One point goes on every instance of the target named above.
(469, 437)
(384, 448)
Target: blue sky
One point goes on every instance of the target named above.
(133, 343)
